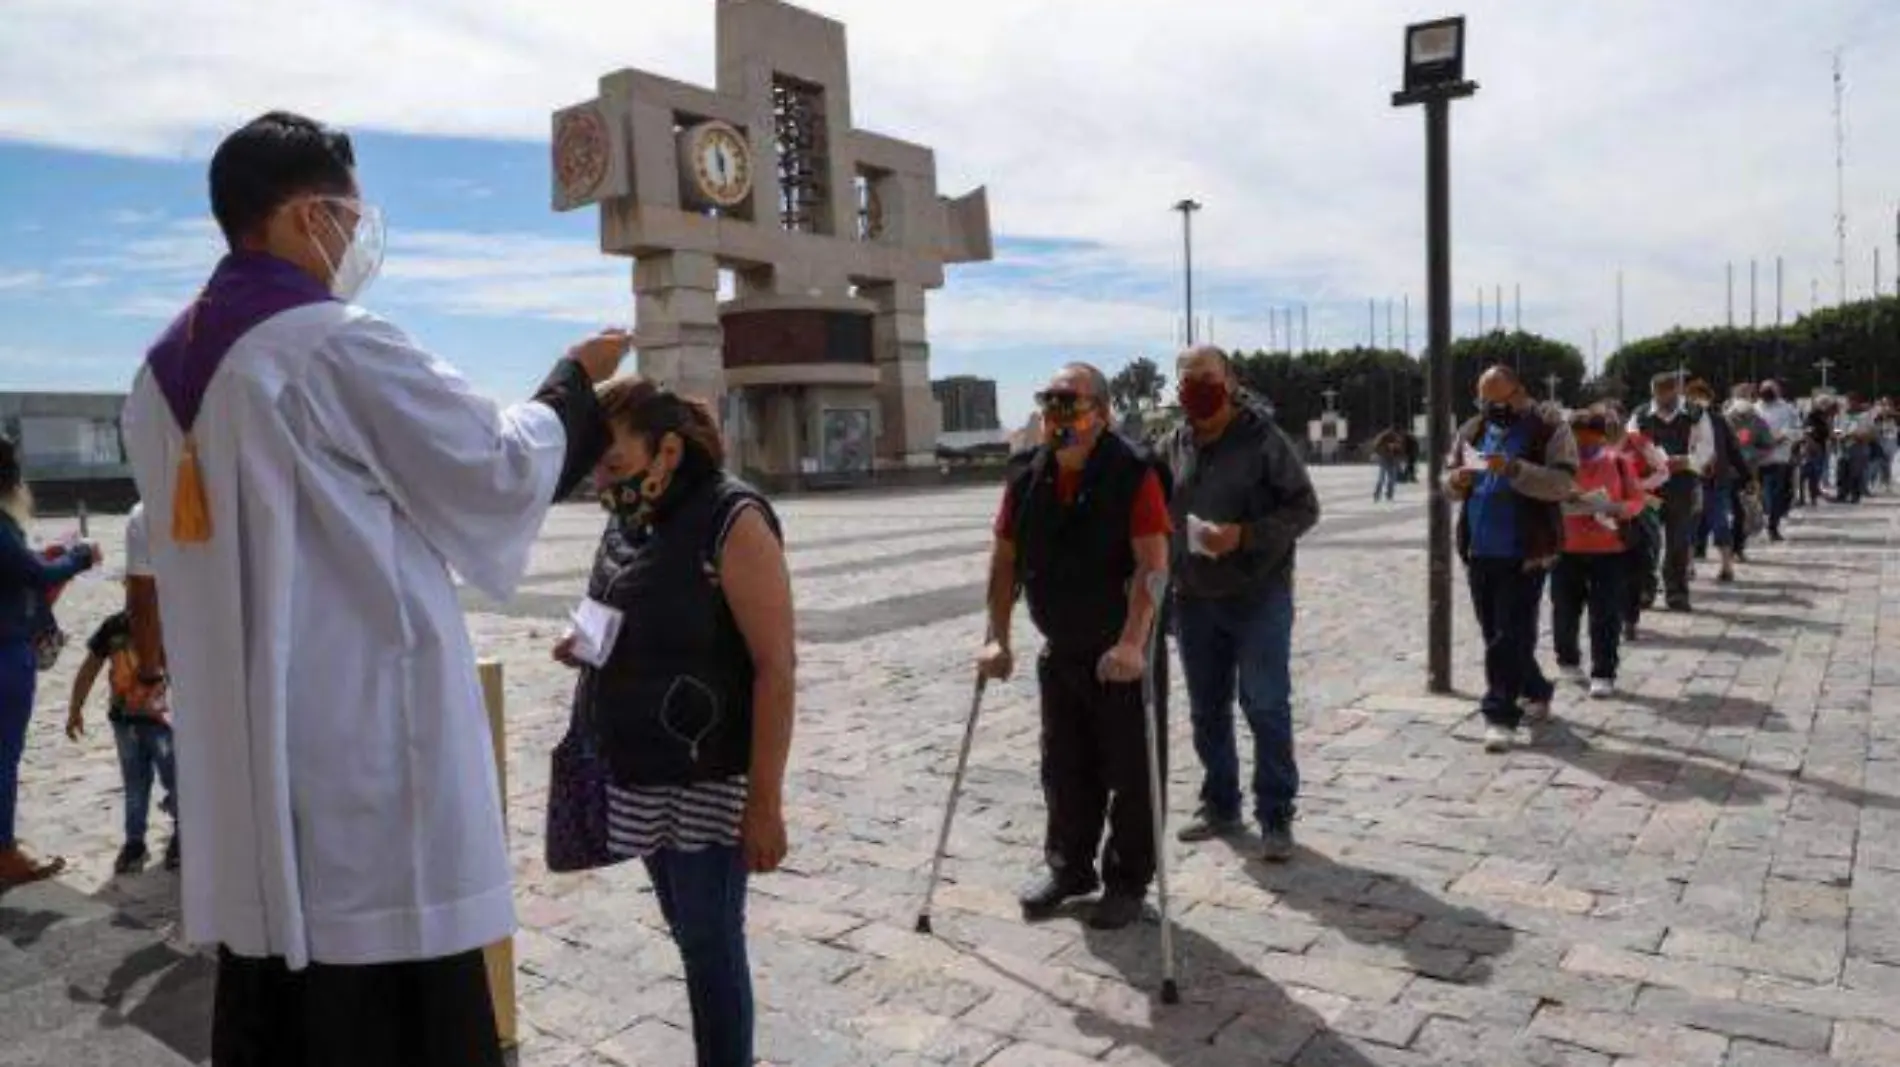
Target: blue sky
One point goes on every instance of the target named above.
(1662, 140)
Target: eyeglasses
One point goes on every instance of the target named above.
(1063, 403)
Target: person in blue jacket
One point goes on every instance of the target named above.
(26, 583)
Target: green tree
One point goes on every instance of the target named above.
(1858, 342)
(1535, 358)
(1136, 387)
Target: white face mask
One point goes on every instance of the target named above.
(362, 255)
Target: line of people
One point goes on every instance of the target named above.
(1608, 512)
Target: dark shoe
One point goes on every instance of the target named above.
(1679, 604)
(1701, 553)
(1629, 631)
(1044, 898)
(1740, 555)
(1775, 536)
(1115, 911)
(1208, 826)
(1725, 576)
(171, 854)
(131, 858)
(1276, 843)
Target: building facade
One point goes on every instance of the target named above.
(967, 402)
(827, 237)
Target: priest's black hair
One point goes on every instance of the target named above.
(271, 160)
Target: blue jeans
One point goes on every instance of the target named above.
(19, 674)
(1718, 506)
(702, 896)
(1246, 639)
(145, 749)
(1388, 479)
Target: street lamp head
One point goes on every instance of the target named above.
(1435, 61)
(1186, 206)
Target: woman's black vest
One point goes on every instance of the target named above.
(673, 705)
(1075, 561)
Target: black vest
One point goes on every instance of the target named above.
(1074, 561)
(673, 705)
(1672, 436)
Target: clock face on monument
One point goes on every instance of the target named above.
(720, 164)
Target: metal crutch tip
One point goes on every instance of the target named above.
(1170, 992)
(923, 924)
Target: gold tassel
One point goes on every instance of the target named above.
(191, 512)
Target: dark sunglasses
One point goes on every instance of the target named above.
(1062, 402)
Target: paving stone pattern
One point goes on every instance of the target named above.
(1703, 872)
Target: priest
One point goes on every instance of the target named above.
(314, 482)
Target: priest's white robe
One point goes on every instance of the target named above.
(335, 769)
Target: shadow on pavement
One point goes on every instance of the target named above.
(1375, 908)
(1230, 1014)
(1737, 644)
(1711, 710)
(1662, 776)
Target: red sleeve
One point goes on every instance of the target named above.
(1150, 516)
(1006, 515)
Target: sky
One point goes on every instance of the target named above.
(1664, 140)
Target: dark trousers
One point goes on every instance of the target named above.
(1777, 491)
(1595, 581)
(426, 1013)
(1508, 599)
(1095, 770)
(702, 897)
(1813, 469)
(1679, 528)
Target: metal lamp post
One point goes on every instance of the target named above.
(1435, 76)
(1187, 208)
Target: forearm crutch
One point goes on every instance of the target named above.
(950, 807)
(1157, 798)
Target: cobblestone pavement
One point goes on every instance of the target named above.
(1703, 871)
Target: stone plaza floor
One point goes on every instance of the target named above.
(1703, 871)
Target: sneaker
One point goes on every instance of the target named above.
(1208, 826)
(1602, 688)
(1538, 710)
(172, 858)
(1045, 897)
(1499, 738)
(131, 858)
(1115, 911)
(1276, 842)
(1571, 670)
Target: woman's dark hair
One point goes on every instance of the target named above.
(1587, 421)
(643, 407)
(271, 160)
(9, 465)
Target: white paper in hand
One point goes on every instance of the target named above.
(1198, 531)
(596, 628)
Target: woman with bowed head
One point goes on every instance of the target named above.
(685, 652)
(28, 583)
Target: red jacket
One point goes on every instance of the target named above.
(1611, 473)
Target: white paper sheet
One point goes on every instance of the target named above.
(596, 628)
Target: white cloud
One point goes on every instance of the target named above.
(133, 217)
(1665, 139)
(21, 279)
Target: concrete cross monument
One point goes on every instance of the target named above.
(819, 362)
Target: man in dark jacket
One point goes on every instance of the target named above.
(1242, 498)
(1083, 531)
(1686, 436)
(1512, 468)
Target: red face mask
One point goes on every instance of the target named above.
(1202, 400)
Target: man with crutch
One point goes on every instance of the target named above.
(1083, 531)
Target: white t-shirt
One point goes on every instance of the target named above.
(138, 545)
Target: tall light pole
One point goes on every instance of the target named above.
(1731, 295)
(1187, 208)
(1619, 309)
(1434, 77)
